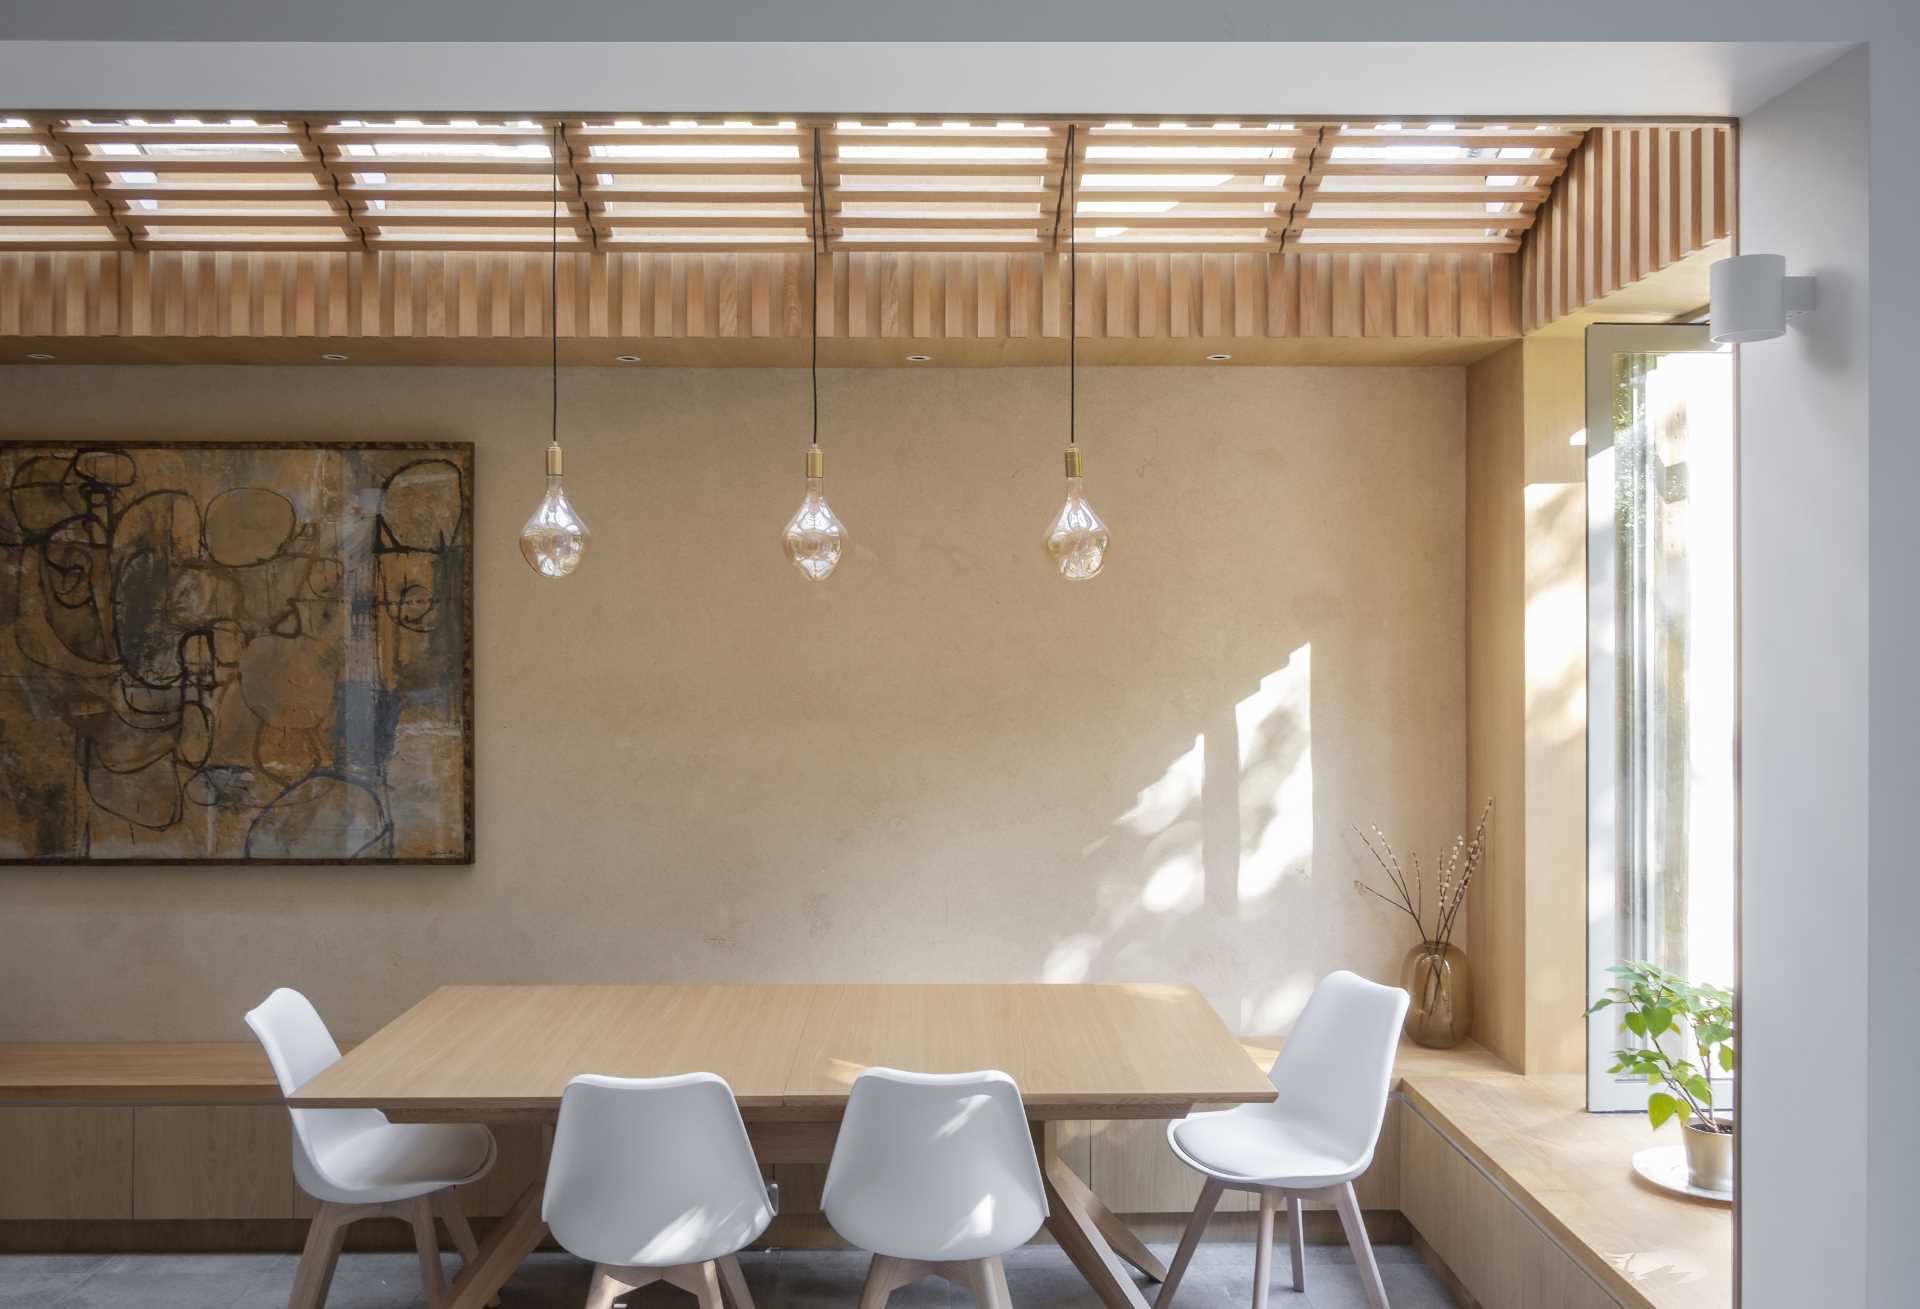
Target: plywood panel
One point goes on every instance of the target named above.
(212, 1162)
(66, 1163)
(1635, 198)
(877, 295)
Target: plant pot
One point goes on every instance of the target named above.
(1709, 1158)
(1440, 988)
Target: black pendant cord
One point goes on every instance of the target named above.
(553, 283)
(813, 282)
(1073, 298)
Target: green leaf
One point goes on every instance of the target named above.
(1635, 1022)
(1658, 1020)
(1661, 1107)
(1726, 1057)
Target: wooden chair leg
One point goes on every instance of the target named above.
(447, 1204)
(426, 1240)
(605, 1288)
(1356, 1229)
(885, 1275)
(733, 1283)
(1263, 1252)
(988, 1280)
(325, 1235)
(703, 1280)
(1297, 1239)
(1189, 1241)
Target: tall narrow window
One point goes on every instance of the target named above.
(1661, 667)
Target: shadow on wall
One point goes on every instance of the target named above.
(1219, 834)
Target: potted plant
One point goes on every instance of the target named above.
(1687, 1036)
(1440, 990)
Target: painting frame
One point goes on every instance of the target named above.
(466, 855)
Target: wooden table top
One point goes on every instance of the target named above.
(1133, 1049)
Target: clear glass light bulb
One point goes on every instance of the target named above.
(554, 541)
(814, 538)
(1077, 538)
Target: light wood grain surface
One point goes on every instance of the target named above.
(1111, 1050)
(1522, 1191)
(78, 1073)
(516, 1047)
(1076, 1051)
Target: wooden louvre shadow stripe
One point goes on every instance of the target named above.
(1635, 198)
(434, 295)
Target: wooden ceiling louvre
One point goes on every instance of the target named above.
(683, 185)
(949, 186)
(1215, 187)
(1432, 187)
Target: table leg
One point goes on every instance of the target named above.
(507, 1246)
(1093, 1237)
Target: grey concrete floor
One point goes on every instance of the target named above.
(1039, 1277)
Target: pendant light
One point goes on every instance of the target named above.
(554, 541)
(1077, 538)
(814, 538)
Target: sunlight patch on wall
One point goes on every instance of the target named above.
(1276, 778)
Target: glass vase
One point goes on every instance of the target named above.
(1441, 991)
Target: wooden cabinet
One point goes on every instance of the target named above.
(1499, 1253)
(66, 1163)
(215, 1161)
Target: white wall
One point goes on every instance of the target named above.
(1804, 595)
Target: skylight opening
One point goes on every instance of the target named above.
(697, 152)
(1197, 153)
(1125, 206)
(939, 154)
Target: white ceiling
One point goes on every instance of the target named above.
(1466, 79)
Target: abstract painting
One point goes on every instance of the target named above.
(236, 653)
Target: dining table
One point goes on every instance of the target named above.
(1078, 1051)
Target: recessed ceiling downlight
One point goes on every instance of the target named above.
(334, 358)
(1218, 359)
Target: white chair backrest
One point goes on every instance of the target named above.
(652, 1172)
(1336, 1068)
(938, 1144)
(300, 1048)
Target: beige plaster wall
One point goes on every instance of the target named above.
(944, 764)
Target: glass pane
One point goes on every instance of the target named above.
(1674, 661)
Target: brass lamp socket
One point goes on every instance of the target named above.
(553, 460)
(1076, 466)
(816, 461)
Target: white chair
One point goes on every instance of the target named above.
(654, 1179)
(1333, 1076)
(935, 1174)
(358, 1165)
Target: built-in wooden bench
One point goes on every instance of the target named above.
(1521, 1197)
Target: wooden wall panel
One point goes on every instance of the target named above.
(66, 1163)
(478, 295)
(1635, 198)
(222, 1161)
